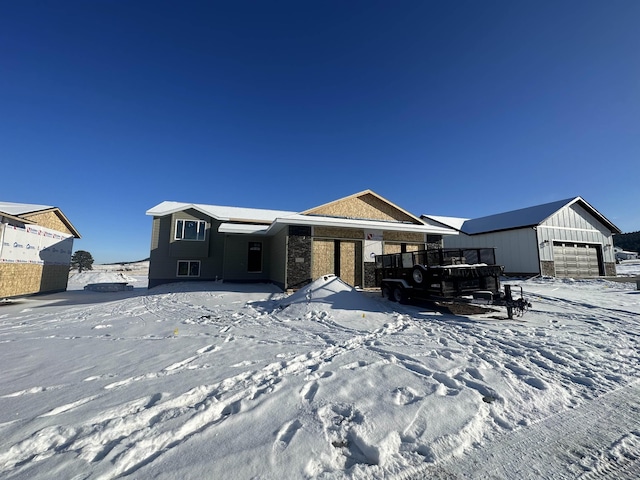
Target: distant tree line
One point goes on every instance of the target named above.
(628, 241)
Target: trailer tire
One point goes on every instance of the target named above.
(418, 275)
(386, 292)
(398, 295)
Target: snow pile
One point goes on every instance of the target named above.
(329, 299)
(79, 280)
(217, 380)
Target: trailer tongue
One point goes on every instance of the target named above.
(468, 275)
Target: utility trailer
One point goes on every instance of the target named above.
(462, 275)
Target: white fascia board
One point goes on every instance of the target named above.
(243, 228)
(353, 223)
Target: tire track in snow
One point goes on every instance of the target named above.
(575, 443)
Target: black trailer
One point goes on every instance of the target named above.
(467, 275)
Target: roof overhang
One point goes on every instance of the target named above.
(243, 228)
(318, 221)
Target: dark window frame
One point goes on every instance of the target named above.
(191, 267)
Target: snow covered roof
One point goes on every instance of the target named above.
(259, 221)
(219, 212)
(17, 209)
(452, 222)
(524, 217)
(20, 211)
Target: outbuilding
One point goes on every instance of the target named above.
(566, 238)
(36, 242)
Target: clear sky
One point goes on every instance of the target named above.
(457, 108)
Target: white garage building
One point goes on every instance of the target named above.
(567, 238)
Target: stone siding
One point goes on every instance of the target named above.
(547, 268)
(299, 257)
(610, 269)
(369, 275)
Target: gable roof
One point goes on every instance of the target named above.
(361, 205)
(259, 221)
(22, 211)
(521, 218)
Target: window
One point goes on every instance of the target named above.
(254, 263)
(190, 229)
(188, 268)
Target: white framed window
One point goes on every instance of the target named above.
(190, 229)
(188, 268)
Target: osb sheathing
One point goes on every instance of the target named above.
(24, 279)
(336, 232)
(404, 237)
(392, 248)
(322, 258)
(367, 207)
(49, 220)
(348, 262)
(397, 247)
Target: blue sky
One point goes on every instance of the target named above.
(458, 108)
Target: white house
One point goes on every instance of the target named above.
(624, 254)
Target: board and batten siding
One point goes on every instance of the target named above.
(515, 249)
(574, 224)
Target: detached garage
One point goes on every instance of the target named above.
(567, 238)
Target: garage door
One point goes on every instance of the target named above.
(576, 259)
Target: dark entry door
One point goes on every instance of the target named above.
(254, 261)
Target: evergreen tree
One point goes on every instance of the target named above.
(81, 260)
(628, 241)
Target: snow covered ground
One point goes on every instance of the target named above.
(216, 380)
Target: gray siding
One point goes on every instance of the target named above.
(278, 260)
(236, 255)
(166, 250)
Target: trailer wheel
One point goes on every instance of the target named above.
(398, 295)
(418, 275)
(386, 292)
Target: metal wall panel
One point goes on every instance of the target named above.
(515, 249)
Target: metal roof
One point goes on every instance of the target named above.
(521, 218)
